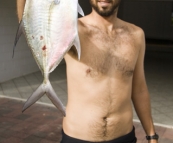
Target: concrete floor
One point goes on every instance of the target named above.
(159, 76)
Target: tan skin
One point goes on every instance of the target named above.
(109, 75)
(20, 8)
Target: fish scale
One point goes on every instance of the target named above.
(35, 19)
(50, 28)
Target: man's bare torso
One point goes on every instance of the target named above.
(109, 74)
(100, 84)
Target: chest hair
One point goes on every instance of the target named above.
(103, 53)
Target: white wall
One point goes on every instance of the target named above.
(23, 62)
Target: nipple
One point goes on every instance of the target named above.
(88, 71)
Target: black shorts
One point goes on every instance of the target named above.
(128, 138)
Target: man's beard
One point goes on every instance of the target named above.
(105, 12)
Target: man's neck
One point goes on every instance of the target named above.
(107, 24)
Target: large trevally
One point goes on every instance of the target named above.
(50, 27)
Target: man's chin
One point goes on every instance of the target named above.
(105, 13)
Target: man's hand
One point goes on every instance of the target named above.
(20, 8)
(153, 141)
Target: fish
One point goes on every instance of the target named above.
(50, 29)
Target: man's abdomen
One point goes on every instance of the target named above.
(91, 122)
(99, 108)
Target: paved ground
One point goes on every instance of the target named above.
(42, 124)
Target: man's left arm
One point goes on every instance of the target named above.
(140, 94)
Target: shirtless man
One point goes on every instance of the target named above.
(108, 77)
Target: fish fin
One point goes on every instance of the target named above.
(77, 45)
(18, 34)
(34, 97)
(79, 9)
(54, 98)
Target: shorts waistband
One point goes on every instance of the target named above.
(128, 138)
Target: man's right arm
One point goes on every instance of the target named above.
(20, 8)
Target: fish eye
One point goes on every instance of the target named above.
(57, 2)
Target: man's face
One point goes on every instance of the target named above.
(105, 7)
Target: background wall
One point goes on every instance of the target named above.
(154, 16)
(23, 62)
(85, 6)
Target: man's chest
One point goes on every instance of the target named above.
(104, 54)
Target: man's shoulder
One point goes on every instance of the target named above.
(135, 32)
(133, 29)
(138, 34)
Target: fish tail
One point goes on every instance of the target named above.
(37, 94)
(40, 91)
(54, 99)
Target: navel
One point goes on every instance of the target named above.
(105, 119)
